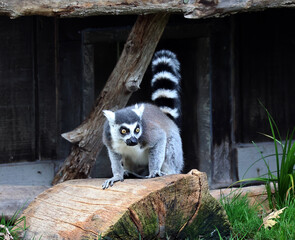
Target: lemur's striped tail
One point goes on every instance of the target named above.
(166, 83)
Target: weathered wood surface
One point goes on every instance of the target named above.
(15, 198)
(125, 79)
(17, 118)
(177, 205)
(83, 8)
(223, 164)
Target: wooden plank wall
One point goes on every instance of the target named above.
(69, 70)
(265, 54)
(223, 165)
(17, 90)
(45, 61)
(28, 78)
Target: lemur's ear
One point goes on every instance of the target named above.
(109, 115)
(138, 110)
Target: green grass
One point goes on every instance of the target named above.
(282, 179)
(247, 220)
(13, 225)
(243, 218)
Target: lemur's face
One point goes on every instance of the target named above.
(126, 126)
(129, 133)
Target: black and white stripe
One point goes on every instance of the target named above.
(166, 83)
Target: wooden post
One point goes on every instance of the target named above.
(125, 79)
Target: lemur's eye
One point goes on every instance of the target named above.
(123, 131)
(137, 130)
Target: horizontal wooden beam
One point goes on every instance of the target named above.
(83, 8)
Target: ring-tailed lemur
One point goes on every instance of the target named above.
(144, 139)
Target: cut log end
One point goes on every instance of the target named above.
(178, 206)
(132, 85)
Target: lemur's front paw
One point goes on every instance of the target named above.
(156, 173)
(110, 182)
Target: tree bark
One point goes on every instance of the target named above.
(125, 79)
(84, 8)
(178, 206)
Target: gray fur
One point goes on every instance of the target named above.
(159, 148)
(126, 115)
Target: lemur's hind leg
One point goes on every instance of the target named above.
(173, 163)
(157, 157)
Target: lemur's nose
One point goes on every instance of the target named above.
(132, 141)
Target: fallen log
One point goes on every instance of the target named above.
(177, 206)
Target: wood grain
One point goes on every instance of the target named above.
(17, 91)
(178, 206)
(83, 8)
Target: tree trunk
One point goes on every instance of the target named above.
(125, 79)
(177, 206)
(84, 8)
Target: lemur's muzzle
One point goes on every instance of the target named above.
(132, 141)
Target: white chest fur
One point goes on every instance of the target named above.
(135, 154)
